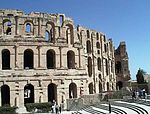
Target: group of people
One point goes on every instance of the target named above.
(139, 94)
(56, 109)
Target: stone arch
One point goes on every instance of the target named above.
(7, 26)
(29, 27)
(28, 93)
(5, 95)
(52, 92)
(89, 66)
(5, 59)
(28, 59)
(70, 59)
(119, 85)
(51, 59)
(108, 86)
(88, 46)
(69, 33)
(100, 87)
(91, 88)
(72, 90)
(50, 29)
(99, 63)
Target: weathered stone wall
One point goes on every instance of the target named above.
(40, 33)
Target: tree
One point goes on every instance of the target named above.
(140, 76)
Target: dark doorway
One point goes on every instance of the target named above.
(5, 95)
(91, 88)
(72, 90)
(52, 92)
(29, 94)
(119, 85)
(5, 59)
(50, 56)
(70, 59)
(100, 87)
(28, 59)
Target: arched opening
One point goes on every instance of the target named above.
(119, 85)
(99, 64)
(97, 36)
(100, 87)
(118, 67)
(72, 90)
(88, 34)
(5, 59)
(5, 95)
(107, 86)
(88, 46)
(98, 45)
(70, 60)
(89, 66)
(28, 93)
(52, 92)
(7, 27)
(91, 88)
(69, 34)
(47, 35)
(28, 27)
(50, 57)
(28, 59)
(50, 28)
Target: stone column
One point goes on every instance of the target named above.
(39, 27)
(60, 50)
(16, 55)
(0, 98)
(79, 58)
(39, 56)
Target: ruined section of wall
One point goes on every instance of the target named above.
(122, 65)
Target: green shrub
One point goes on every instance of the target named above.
(7, 110)
(43, 107)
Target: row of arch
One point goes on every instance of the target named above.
(29, 93)
(51, 89)
(29, 59)
(49, 30)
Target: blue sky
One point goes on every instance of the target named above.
(121, 20)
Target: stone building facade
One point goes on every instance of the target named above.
(122, 66)
(45, 57)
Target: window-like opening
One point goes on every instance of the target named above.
(118, 67)
(105, 48)
(98, 45)
(50, 57)
(28, 59)
(88, 34)
(47, 35)
(89, 66)
(5, 95)
(81, 36)
(88, 46)
(119, 85)
(107, 86)
(69, 34)
(72, 90)
(61, 18)
(100, 87)
(5, 59)
(50, 32)
(97, 36)
(98, 51)
(28, 93)
(99, 64)
(52, 92)
(28, 27)
(7, 27)
(70, 59)
(91, 88)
